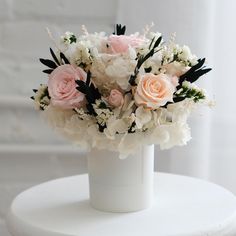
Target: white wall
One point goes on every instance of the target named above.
(31, 153)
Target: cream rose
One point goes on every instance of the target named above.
(62, 87)
(115, 98)
(154, 91)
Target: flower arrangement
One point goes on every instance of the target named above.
(118, 91)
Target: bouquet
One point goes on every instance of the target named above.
(119, 91)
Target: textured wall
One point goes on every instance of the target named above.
(29, 152)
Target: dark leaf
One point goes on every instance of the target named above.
(142, 59)
(193, 68)
(63, 58)
(35, 90)
(83, 88)
(95, 92)
(194, 73)
(101, 128)
(158, 41)
(91, 109)
(119, 30)
(178, 99)
(73, 39)
(48, 71)
(150, 45)
(132, 80)
(131, 127)
(49, 63)
(199, 64)
(55, 57)
(88, 78)
(147, 70)
(32, 98)
(198, 74)
(87, 88)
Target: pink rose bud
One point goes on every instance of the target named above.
(121, 43)
(62, 87)
(154, 91)
(116, 98)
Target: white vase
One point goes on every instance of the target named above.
(121, 185)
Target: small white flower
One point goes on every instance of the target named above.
(41, 99)
(186, 55)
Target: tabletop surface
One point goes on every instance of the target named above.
(182, 206)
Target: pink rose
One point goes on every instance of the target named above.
(115, 98)
(154, 91)
(62, 87)
(121, 43)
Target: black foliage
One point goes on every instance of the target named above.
(194, 73)
(119, 29)
(149, 69)
(175, 100)
(54, 57)
(48, 71)
(73, 39)
(132, 79)
(64, 59)
(153, 45)
(49, 63)
(142, 59)
(91, 93)
(131, 127)
(178, 99)
(101, 127)
(54, 64)
(35, 90)
(32, 97)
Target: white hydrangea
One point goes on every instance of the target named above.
(120, 69)
(142, 117)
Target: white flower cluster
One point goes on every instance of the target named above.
(166, 128)
(41, 99)
(119, 91)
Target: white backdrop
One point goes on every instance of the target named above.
(207, 27)
(30, 153)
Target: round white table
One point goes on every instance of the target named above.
(183, 206)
